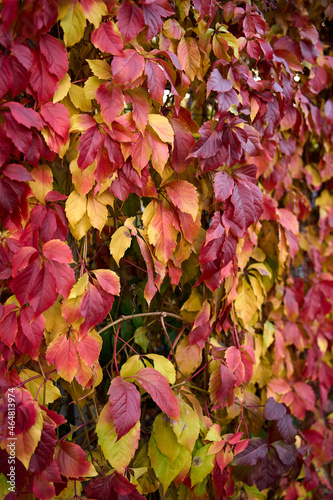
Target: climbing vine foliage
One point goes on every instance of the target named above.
(166, 251)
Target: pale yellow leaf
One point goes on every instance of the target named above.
(95, 11)
(43, 181)
(164, 366)
(81, 227)
(35, 387)
(91, 86)
(78, 98)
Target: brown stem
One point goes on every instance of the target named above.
(163, 314)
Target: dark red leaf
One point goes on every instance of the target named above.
(217, 82)
(256, 450)
(223, 186)
(274, 410)
(43, 454)
(90, 142)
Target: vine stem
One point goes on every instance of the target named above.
(115, 351)
(163, 314)
(84, 421)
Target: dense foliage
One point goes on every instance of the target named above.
(166, 249)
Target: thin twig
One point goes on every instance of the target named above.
(163, 314)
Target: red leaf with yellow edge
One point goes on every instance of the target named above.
(158, 387)
(58, 250)
(62, 353)
(201, 328)
(111, 99)
(108, 280)
(130, 20)
(107, 39)
(125, 405)
(127, 67)
(72, 462)
(184, 196)
(162, 233)
(183, 142)
(90, 143)
(221, 384)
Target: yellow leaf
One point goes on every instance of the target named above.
(118, 453)
(35, 386)
(120, 242)
(245, 303)
(81, 227)
(43, 181)
(73, 24)
(91, 86)
(79, 98)
(54, 322)
(76, 206)
(73, 488)
(131, 366)
(97, 212)
(94, 11)
(160, 124)
(80, 287)
(164, 366)
(100, 68)
(164, 470)
(188, 427)
(189, 56)
(165, 438)
(63, 88)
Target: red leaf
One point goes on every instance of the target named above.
(130, 20)
(158, 387)
(71, 460)
(156, 81)
(20, 136)
(42, 81)
(43, 293)
(111, 99)
(57, 117)
(58, 250)
(90, 142)
(106, 39)
(153, 13)
(63, 276)
(22, 258)
(139, 100)
(286, 452)
(16, 172)
(8, 325)
(25, 116)
(150, 288)
(218, 83)
(125, 405)
(127, 67)
(108, 280)
(23, 283)
(256, 450)
(62, 353)
(93, 308)
(221, 384)
(223, 186)
(183, 142)
(43, 454)
(209, 142)
(55, 55)
(30, 332)
(88, 349)
(201, 328)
